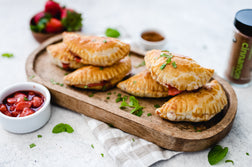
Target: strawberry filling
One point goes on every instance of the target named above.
(76, 57)
(65, 66)
(172, 91)
(96, 84)
(102, 83)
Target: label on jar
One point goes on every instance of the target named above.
(240, 61)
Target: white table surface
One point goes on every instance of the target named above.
(196, 28)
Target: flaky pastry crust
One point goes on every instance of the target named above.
(143, 85)
(94, 50)
(61, 56)
(93, 77)
(195, 106)
(188, 75)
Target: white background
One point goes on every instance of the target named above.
(200, 29)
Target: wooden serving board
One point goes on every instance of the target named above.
(179, 136)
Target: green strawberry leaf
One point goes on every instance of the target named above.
(40, 27)
(216, 154)
(72, 22)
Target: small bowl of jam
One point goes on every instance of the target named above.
(24, 107)
(152, 39)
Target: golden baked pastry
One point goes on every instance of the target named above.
(93, 50)
(99, 78)
(195, 106)
(62, 57)
(181, 72)
(143, 85)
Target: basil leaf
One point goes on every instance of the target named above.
(61, 127)
(110, 32)
(133, 101)
(32, 145)
(216, 154)
(174, 64)
(123, 104)
(163, 66)
(168, 61)
(8, 55)
(149, 114)
(141, 64)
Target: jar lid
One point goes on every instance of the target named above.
(243, 21)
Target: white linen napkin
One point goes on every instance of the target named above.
(125, 149)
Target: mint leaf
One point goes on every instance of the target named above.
(32, 145)
(156, 105)
(229, 161)
(61, 127)
(149, 114)
(216, 154)
(110, 32)
(8, 55)
(72, 22)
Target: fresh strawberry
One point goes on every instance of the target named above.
(21, 105)
(54, 26)
(15, 113)
(26, 111)
(4, 110)
(20, 97)
(38, 16)
(11, 100)
(64, 12)
(36, 101)
(53, 8)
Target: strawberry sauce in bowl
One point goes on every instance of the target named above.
(22, 103)
(24, 107)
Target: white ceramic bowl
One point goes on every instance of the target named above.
(148, 45)
(31, 122)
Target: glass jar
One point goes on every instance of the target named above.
(240, 60)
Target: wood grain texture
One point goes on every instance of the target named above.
(180, 136)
